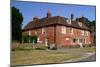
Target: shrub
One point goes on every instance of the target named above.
(74, 46)
(18, 46)
(26, 38)
(40, 47)
(85, 45)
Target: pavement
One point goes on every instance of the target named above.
(86, 58)
(90, 58)
(84, 55)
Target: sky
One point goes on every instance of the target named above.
(31, 9)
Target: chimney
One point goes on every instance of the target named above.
(72, 17)
(35, 19)
(48, 14)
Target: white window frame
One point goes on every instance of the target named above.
(82, 32)
(63, 29)
(71, 30)
(35, 31)
(29, 33)
(68, 21)
(43, 30)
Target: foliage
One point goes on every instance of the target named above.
(29, 39)
(41, 47)
(18, 46)
(74, 46)
(27, 46)
(16, 23)
(93, 31)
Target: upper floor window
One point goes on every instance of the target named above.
(71, 30)
(82, 32)
(29, 33)
(35, 32)
(43, 30)
(63, 29)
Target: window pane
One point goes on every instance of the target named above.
(63, 29)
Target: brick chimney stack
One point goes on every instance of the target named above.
(49, 14)
(35, 19)
(72, 17)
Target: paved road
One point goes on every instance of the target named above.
(85, 55)
(90, 58)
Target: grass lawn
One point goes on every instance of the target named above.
(24, 57)
(38, 57)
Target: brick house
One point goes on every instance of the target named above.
(58, 31)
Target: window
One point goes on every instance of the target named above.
(35, 32)
(82, 32)
(68, 21)
(86, 33)
(71, 30)
(43, 30)
(29, 33)
(64, 29)
(74, 40)
(80, 40)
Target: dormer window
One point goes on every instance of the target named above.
(80, 24)
(68, 21)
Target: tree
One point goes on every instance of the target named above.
(92, 26)
(93, 31)
(16, 22)
(86, 21)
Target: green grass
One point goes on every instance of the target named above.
(38, 57)
(28, 55)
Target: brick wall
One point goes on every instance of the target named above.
(60, 39)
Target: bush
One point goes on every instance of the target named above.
(40, 47)
(26, 38)
(74, 46)
(18, 46)
(85, 45)
(27, 46)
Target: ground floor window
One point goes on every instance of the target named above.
(78, 40)
(74, 40)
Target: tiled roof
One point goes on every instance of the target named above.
(52, 21)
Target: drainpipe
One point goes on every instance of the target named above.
(55, 44)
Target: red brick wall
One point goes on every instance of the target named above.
(61, 39)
